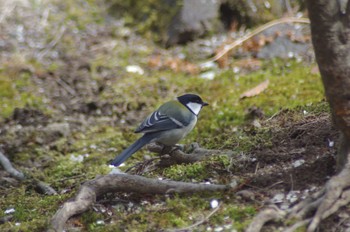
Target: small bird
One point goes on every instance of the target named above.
(167, 125)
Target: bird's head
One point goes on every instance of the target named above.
(193, 102)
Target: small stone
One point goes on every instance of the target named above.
(278, 198)
(134, 69)
(214, 203)
(10, 211)
(298, 163)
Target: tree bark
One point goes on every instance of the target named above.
(92, 189)
(330, 29)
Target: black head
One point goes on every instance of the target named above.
(187, 98)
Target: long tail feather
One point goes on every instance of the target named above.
(137, 145)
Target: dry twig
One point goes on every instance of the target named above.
(191, 227)
(253, 33)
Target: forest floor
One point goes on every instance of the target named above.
(75, 83)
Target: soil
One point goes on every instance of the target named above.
(298, 161)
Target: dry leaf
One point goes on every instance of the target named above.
(175, 64)
(256, 90)
(315, 70)
(249, 64)
(155, 62)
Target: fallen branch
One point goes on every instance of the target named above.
(92, 189)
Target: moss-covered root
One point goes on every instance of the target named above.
(125, 183)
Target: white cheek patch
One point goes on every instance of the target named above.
(195, 107)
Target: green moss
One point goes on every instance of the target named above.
(195, 171)
(149, 18)
(293, 90)
(29, 210)
(16, 90)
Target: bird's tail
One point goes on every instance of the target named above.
(146, 138)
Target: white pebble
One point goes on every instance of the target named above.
(214, 203)
(134, 69)
(10, 210)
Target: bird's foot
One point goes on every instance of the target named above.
(167, 150)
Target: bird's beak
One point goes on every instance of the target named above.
(205, 104)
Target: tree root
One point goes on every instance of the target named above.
(314, 209)
(272, 213)
(335, 195)
(18, 175)
(6, 164)
(90, 190)
(191, 154)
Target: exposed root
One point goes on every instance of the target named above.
(310, 204)
(6, 164)
(272, 213)
(193, 153)
(314, 209)
(335, 197)
(39, 185)
(90, 190)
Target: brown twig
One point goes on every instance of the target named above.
(253, 33)
(53, 43)
(90, 190)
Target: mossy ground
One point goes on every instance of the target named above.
(107, 105)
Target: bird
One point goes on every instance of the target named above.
(171, 122)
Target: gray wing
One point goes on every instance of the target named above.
(158, 122)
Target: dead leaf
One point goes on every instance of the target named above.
(315, 70)
(256, 90)
(175, 64)
(155, 62)
(248, 64)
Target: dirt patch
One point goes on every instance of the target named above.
(301, 155)
(299, 161)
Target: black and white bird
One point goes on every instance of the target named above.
(171, 122)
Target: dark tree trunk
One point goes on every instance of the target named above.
(330, 28)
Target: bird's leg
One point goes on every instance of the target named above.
(166, 149)
(185, 148)
(176, 147)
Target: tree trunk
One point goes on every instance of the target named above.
(330, 28)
